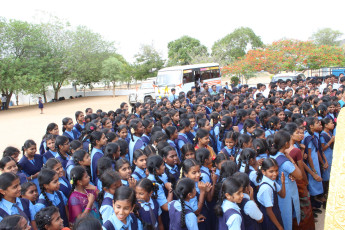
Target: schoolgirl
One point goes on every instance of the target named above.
(31, 163)
(54, 164)
(137, 108)
(123, 205)
(273, 125)
(240, 118)
(67, 129)
(10, 203)
(80, 157)
(171, 164)
(227, 210)
(172, 134)
(187, 152)
(80, 122)
(85, 135)
(148, 124)
(50, 194)
(7, 164)
(97, 140)
(268, 194)
(202, 140)
(81, 201)
(111, 181)
(225, 126)
(149, 210)
(62, 146)
(29, 191)
(175, 117)
(136, 131)
(122, 131)
(221, 157)
(123, 167)
(49, 219)
(107, 124)
(139, 160)
(251, 214)
(261, 148)
(182, 138)
(205, 124)
(263, 117)
(51, 149)
(52, 129)
(112, 150)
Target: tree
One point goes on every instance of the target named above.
(327, 36)
(181, 50)
(111, 71)
(235, 45)
(148, 62)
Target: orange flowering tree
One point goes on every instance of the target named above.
(287, 55)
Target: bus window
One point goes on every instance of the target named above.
(188, 77)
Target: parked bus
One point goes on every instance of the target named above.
(182, 78)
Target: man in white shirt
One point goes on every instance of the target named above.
(4, 100)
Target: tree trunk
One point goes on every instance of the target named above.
(113, 89)
(44, 96)
(17, 99)
(8, 98)
(56, 94)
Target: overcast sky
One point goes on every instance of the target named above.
(131, 23)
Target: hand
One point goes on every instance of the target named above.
(201, 218)
(208, 186)
(202, 186)
(302, 147)
(292, 178)
(280, 228)
(251, 192)
(332, 139)
(317, 177)
(147, 172)
(260, 161)
(232, 158)
(325, 165)
(132, 182)
(90, 198)
(282, 178)
(214, 178)
(168, 186)
(213, 170)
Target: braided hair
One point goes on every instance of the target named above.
(65, 122)
(153, 163)
(266, 164)
(230, 186)
(133, 125)
(44, 178)
(108, 178)
(77, 174)
(60, 140)
(184, 187)
(245, 157)
(225, 124)
(202, 155)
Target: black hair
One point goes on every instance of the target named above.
(79, 156)
(225, 123)
(260, 146)
(188, 163)
(45, 176)
(25, 186)
(125, 193)
(184, 123)
(221, 157)
(51, 163)
(266, 164)
(242, 178)
(148, 186)
(201, 155)
(28, 144)
(273, 122)
(263, 114)
(243, 138)
(10, 151)
(158, 137)
(87, 223)
(4, 161)
(44, 217)
(170, 131)
(310, 121)
(138, 153)
(89, 128)
(201, 133)
(123, 147)
(153, 163)
(185, 149)
(65, 122)
(49, 137)
(248, 123)
(184, 186)
(108, 178)
(103, 164)
(257, 133)
(230, 186)
(75, 144)
(325, 121)
(245, 157)
(76, 174)
(11, 222)
(110, 150)
(164, 152)
(279, 140)
(120, 163)
(50, 128)
(241, 113)
(6, 180)
(133, 125)
(95, 136)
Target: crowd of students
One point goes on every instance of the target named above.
(236, 159)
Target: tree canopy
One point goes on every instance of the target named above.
(327, 36)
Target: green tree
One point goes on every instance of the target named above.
(327, 36)
(148, 62)
(235, 45)
(111, 71)
(181, 50)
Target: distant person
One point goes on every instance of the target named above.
(173, 97)
(214, 90)
(3, 101)
(40, 104)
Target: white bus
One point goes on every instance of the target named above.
(182, 78)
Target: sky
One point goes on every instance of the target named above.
(132, 23)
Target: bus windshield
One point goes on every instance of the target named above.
(168, 78)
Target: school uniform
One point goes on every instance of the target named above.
(325, 138)
(22, 178)
(172, 144)
(134, 145)
(229, 152)
(172, 171)
(106, 208)
(208, 110)
(205, 174)
(125, 183)
(21, 207)
(250, 213)
(269, 132)
(146, 139)
(161, 199)
(232, 218)
(290, 203)
(191, 135)
(261, 156)
(69, 166)
(79, 128)
(132, 223)
(64, 161)
(71, 135)
(96, 154)
(182, 139)
(268, 197)
(65, 186)
(31, 167)
(59, 200)
(175, 208)
(149, 212)
(251, 174)
(311, 142)
(240, 126)
(138, 173)
(49, 154)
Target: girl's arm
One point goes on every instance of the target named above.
(160, 223)
(281, 193)
(33, 225)
(202, 187)
(312, 173)
(211, 193)
(273, 218)
(297, 172)
(319, 156)
(310, 161)
(164, 207)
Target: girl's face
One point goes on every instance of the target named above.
(177, 104)
(175, 135)
(207, 126)
(54, 185)
(281, 116)
(102, 141)
(123, 133)
(31, 193)
(235, 197)
(198, 110)
(122, 122)
(51, 144)
(251, 129)
(85, 180)
(65, 147)
(192, 123)
(140, 129)
(125, 171)
(230, 143)
(11, 167)
(58, 169)
(252, 115)
(69, 125)
(189, 110)
(167, 124)
(56, 222)
(172, 158)
(205, 140)
(142, 194)
(190, 155)
(113, 187)
(81, 117)
(271, 173)
(23, 224)
(108, 124)
(122, 209)
(248, 144)
(86, 160)
(194, 173)
(176, 117)
(331, 109)
(149, 128)
(296, 135)
(31, 151)
(295, 110)
(12, 191)
(168, 105)
(15, 156)
(160, 170)
(141, 162)
(330, 125)
(55, 131)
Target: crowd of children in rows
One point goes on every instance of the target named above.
(200, 161)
